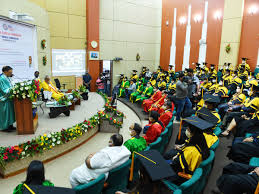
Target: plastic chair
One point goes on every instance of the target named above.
(248, 135)
(118, 178)
(156, 145)
(217, 131)
(188, 187)
(164, 136)
(93, 187)
(215, 145)
(170, 130)
(254, 161)
(206, 166)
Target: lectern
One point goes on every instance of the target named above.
(25, 123)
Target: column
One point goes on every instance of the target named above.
(92, 29)
(173, 44)
(203, 40)
(187, 46)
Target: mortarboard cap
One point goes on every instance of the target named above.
(244, 58)
(198, 123)
(135, 71)
(211, 99)
(205, 114)
(39, 189)
(229, 64)
(171, 65)
(197, 64)
(212, 65)
(121, 74)
(205, 63)
(155, 165)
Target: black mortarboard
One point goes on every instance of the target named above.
(39, 189)
(198, 123)
(198, 64)
(229, 64)
(135, 71)
(205, 63)
(244, 58)
(211, 99)
(212, 65)
(171, 65)
(205, 114)
(155, 165)
(121, 74)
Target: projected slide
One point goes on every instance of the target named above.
(68, 62)
(18, 49)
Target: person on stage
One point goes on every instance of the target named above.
(48, 86)
(7, 116)
(87, 80)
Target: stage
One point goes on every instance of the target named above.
(46, 125)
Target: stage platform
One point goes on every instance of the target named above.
(46, 125)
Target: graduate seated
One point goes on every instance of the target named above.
(243, 74)
(131, 88)
(221, 91)
(244, 64)
(48, 86)
(167, 114)
(155, 127)
(155, 97)
(139, 91)
(227, 78)
(243, 149)
(238, 178)
(124, 85)
(134, 76)
(136, 143)
(148, 91)
(35, 176)
(186, 158)
(158, 104)
(234, 83)
(114, 155)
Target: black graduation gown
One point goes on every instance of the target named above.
(243, 152)
(246, 126)
(236, 180)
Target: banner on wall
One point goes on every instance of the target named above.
(18, 49)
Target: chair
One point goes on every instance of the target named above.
(170, 130)
(57, 82)
(206, 166)
(93, 187)
(217, 131)
(164, 136)
(118, 178)
(248, 135)
(188, 187)
(254, 162)
(215, 145)
(156, 145)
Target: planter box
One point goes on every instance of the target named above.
(106, 127)
(73, 106)
(78, 102)
(18, 166)
(84, 96)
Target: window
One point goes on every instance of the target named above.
(68, 62)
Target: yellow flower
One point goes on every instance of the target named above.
(42, 144)
(42, 138)
(45, 135)
(44, 148)
(71, 134)
(46, 138)
(50, 146)
(74, 138)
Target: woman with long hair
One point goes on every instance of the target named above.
(35, 176)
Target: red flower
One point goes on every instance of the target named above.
(5, 157)
(5, 153)
(10, 151)
(7, 149)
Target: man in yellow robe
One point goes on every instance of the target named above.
(48, 86)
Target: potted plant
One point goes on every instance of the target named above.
(84, 92)
(76, 96)
(228, 48)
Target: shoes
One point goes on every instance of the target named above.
(11, 128)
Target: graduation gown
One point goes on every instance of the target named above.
(51, 88)
(124, 85)
(139, 91)
(20, 188)
(165, 117)
(153, 132)
(148, 102)
(134, 77)
(210, 139)
(7, 116)
(147, 93)
(155, 106)
(136, 144)
(244, 151)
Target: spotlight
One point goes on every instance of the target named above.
(197, 18)
(252, 10)
(182, 20)
(217, 15)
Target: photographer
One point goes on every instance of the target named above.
(107, 82)
(181, 100)
(193, 85)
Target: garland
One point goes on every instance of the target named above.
(44, 60)
(47, 142)
(43, 44)
(228, 48)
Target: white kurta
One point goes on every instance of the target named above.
(102, 162)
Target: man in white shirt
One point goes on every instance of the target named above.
(101, 162)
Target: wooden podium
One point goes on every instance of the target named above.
(25, 124)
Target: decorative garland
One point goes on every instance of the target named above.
(43, 44)
(47, 142)
(228, 48)
(44, 60)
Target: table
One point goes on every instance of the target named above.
(38, 104)
(57, 109)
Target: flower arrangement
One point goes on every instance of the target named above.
(44, 60)
(43, 44)
(228, 48)
(46, 142)
(64, 101)
(82, 89)
(112, 120)
(26, 89)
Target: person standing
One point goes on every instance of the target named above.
(181, 100)
(87, 80)
(7, 116)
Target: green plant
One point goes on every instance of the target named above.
(82, 89)
(76, 94)
(64, 101)
(228, 48)
(44, 60)
(43, 44)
